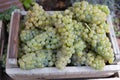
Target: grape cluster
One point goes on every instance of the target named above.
(37, 59)
(76, 36)
(45, 40)
(67, 36)
(37, 17)
(83, 11)
(27, 35)
(89, 59)
(97, 38)
(95, 61)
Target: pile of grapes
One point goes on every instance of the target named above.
(74, 37)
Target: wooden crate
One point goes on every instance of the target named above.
(51, 72)
(6, 4)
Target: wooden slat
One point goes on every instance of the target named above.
(3, 1)
(68, 72)
(0, 28)
(9, 3)
(105, 79)
(13, 35)
(114, 41)
(1, 39)
(6, 5)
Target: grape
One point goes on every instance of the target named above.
(37, 59)
(37, 17)
(67, 36)
(27, 61)
(98, 39)
(38, 41)
(27, 35)
(104, 8)
(76, 36)
(78, 59)
(83, 11)
(47, 39)
(89, 59)
(94, 61)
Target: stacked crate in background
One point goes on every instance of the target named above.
(6, 4)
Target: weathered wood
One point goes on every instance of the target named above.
(13, 37)
(0, 28)
(114, 41)
(105, 79)
(1, 39)
(51, 72)
(68, 72)
(6, 4)
(2, 1)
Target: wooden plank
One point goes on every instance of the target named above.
(1, 39)
(105, 79)
(3, 1)
(0, 46)
(68, 72)
(6, 5)
(114, 41)
(13, 37)
(9, 3)
(0, 28)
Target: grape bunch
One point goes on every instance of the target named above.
(27, 35)
(89, 59)
(37, 17)
(83, 11)
(66, 32)
(37, 59)
(45, 40)
(97, 38)
(75, 37)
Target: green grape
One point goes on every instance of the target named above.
(79, 46)
(105, 26)
(27, 61)
(95, 61)
(37, 59)
(89, 59)
(38, 41)
(104, 8)
(83, 11)
(37, 17)
(79, 59)
(27, 35)
(76, 36)
(98, 40)
(67, 36)
(53, 41)
(47, 39)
